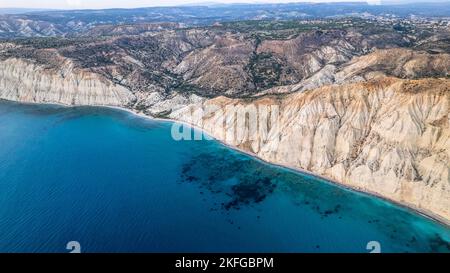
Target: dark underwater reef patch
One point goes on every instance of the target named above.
(241, 181)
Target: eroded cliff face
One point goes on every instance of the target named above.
(388, 136)
(25, 81)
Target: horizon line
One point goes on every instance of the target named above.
(213, 3)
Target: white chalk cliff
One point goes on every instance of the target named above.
(25, 81)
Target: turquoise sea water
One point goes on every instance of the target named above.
(116, 182)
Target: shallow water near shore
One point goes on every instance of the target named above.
(116, 182)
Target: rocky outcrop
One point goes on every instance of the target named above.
(28, 82)
(388, 136)
(219, 67)
(397, 62)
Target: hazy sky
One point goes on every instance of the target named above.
(81, 4)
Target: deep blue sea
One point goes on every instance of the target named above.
(116, 182)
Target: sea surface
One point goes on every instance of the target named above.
(116, 182)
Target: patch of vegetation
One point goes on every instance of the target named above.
(287, 29)
(187, 88)
(52, 42)
(264, 70)
(91, 55)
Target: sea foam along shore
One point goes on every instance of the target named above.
(413, 209)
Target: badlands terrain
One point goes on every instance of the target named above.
(363, 100)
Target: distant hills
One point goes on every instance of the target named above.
(20, 10)
(56, 23)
